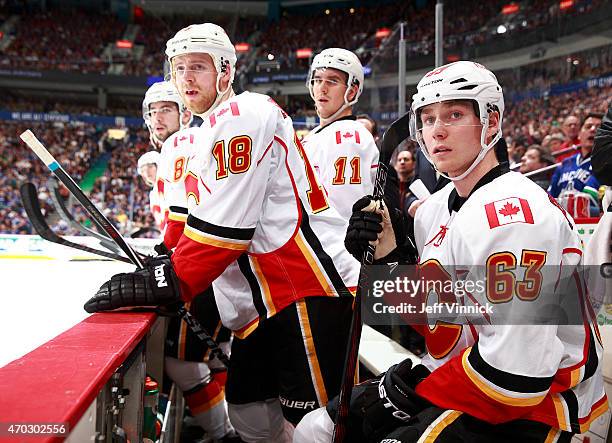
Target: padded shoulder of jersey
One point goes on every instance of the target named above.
(513, 205)
(180, 139)
(248, 107)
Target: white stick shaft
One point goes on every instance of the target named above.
(35, 145)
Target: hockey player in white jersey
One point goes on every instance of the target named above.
(201, 381)
(165, 114)
(147, 169)
(340, 149)
(264, 232)
(487, 379)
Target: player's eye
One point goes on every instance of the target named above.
(428, 120)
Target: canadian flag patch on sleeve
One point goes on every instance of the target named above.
(347, 135)
(507, 211)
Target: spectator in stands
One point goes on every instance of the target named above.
(370, 125)
(602, 150)
(516, 150)
(537, 158)
(404, 162)
(574, 175)
(570, 128)
(552, 142)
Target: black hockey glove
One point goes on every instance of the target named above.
(162, 249)
(364, 227)
(391, 399)
(154, 285)
(159, 250)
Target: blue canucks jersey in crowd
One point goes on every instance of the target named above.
(575, 172)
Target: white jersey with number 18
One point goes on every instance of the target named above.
(263, 229)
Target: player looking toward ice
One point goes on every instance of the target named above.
(485, 379)
(342, 150)
(263, 231)
(186, 362)
(165, 114)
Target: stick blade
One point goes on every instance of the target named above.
(393, 136)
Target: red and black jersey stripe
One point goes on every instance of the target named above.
(325, 260)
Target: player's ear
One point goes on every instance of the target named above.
(353, 92)
(225, 77)
(493, 125)
(186, 117)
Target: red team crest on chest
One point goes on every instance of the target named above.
(507, 211)
(437, 239)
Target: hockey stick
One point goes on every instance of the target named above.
(64, 212)
(393, 136)
(45, 156)
(35, 145)
(29, 198)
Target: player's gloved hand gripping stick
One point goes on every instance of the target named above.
(153, 284)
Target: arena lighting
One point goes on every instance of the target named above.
(510, 8)
(501, 29)
(270, 57)
(138, 12)
(117, 133)
(383, 32)
(124, 44)
(566, 4)
(303, 53)
(327, 12)
(242, 47)
(352, 10)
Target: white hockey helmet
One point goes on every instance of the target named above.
(342, 60)
(462, 80)
(162, 92)
(210, 39)
(148, 158)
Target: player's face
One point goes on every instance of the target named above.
(530, 161)
(148, 174)
(165, 119)
(587, 132)
(195, 78)
(329, 87)
(451, 132)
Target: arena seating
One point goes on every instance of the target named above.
(39, 46)
(76, 146)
